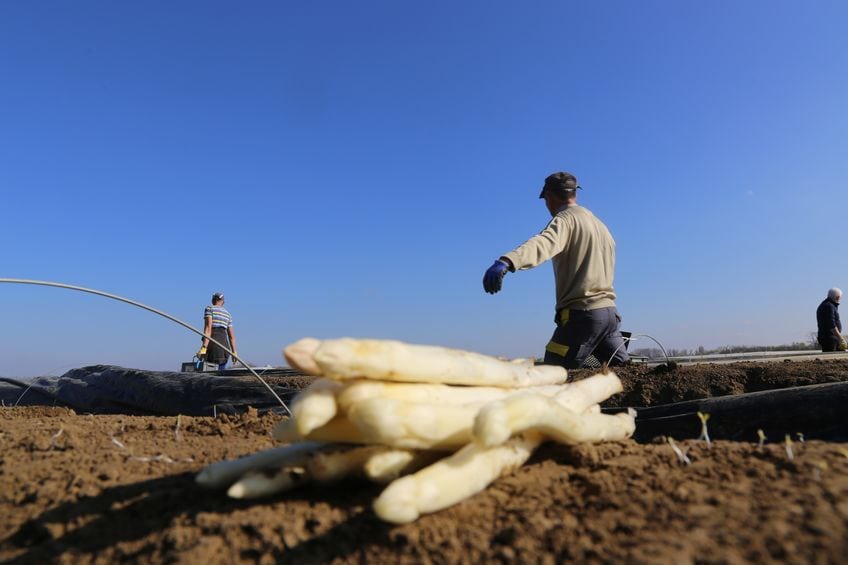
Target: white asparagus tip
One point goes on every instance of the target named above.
(491, 426)
(299, 355)
(259, 484)
(397, 503)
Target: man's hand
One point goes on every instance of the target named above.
(201, 353)
(235, 354)
(493, 279)
(843, 345)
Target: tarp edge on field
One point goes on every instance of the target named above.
(109, 389)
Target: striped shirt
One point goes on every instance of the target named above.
(220, 317)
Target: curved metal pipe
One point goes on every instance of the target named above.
(632, 338)
(155, 311)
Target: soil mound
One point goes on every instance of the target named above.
(651, 386)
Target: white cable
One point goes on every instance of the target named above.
(631, 338)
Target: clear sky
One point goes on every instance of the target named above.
(344, 168)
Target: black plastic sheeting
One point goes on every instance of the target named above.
(107, 389)
(816, 411)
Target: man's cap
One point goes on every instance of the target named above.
(217, 296)
(559, 182)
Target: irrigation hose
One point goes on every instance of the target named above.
(624, 344)
(633, 338)
(155, 311)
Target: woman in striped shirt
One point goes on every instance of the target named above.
(218, 324)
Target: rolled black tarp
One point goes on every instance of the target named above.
(108, 389)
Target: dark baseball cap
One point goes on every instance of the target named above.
(217, 296)
(559, 182)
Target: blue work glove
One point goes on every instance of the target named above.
(493, 279)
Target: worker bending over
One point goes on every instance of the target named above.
(583, 254)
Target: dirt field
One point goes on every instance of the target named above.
(81, 488)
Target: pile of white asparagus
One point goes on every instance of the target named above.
(438, 425)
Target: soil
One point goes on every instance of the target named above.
(80, 488)
(651, 386)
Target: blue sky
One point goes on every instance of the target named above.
(352, 168)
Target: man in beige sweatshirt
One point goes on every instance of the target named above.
(582, 251)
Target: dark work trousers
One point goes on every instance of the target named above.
(215, 354)
(828, 342)
(580, 333)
